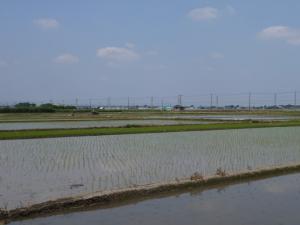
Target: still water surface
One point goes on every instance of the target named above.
(274, 201)
(229, 117)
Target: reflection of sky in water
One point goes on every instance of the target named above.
(247, 203)
(230, 117)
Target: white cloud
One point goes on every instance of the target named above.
(210, 13)
(216, 55)
(117, 54)
(275, 32)
(46, 23)
(66, 58)
(203, 14)
(284, 33)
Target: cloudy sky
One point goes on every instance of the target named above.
(66, 49)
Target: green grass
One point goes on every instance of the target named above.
(25, 134)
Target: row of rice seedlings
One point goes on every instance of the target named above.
(49, 167)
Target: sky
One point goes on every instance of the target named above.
(68, 49)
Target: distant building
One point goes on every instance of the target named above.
(178, 108)
(167, 108)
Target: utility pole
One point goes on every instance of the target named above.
(249, 101)
(128, 103)
(179, 100)
(76, 102)
(295, 98)
(211, 100)
(108, 102)
(217, 101)
(151, 102)
(275, 99)
(90, 102)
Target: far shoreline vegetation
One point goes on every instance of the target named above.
(26, 107)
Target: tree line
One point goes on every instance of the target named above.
(27, 107)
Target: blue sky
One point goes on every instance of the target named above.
(63, 49)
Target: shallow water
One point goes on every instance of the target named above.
(274, 201)
(87, 124)
(37, 170)
(229, 117)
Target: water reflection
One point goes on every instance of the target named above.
(247, 203)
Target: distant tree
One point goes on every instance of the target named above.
(25, 105)
(48, 105)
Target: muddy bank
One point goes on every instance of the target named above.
(119, 196)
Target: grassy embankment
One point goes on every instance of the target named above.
(48, 133)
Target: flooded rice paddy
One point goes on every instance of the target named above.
(89, 124)
(229, 117)
(37, 170)
(274, 201)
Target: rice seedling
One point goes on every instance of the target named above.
(38, 170)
